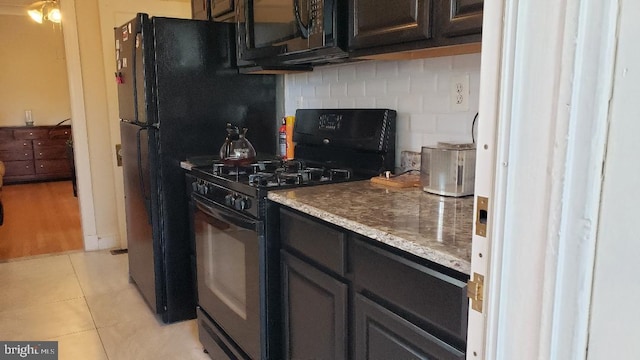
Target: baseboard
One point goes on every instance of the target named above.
(95, 242)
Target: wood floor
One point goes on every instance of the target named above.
(39, 218)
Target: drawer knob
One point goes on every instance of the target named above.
(25, 144)
(39, 143)
(40, 154)
(41, 166)
(26, 154)
(30, 134)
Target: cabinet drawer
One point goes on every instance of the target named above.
(382, 334)
(6, 134)
(15, 168)
(48, 142)
(53, 167)
(60, 133)
(50, 152)
(319, 242)
(31, 133)
(16, 155)
(15, 145)
(432, 297)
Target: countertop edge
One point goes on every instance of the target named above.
(422, 251)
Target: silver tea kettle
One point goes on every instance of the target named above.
(237, 149)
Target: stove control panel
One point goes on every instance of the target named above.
(225, 197)
(237, 201)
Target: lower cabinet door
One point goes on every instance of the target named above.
(315, 312)
(381, 335)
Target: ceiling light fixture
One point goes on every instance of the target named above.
(45, 10)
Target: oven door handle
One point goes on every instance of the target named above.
(225, 214)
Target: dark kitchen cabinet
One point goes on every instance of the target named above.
(315, 312)
(431, 297)
(383, 22)
(347, 296)
(381, 334)
(201, 9)
(314, 293)
(460, 17)
(408, 29)
(222, 9)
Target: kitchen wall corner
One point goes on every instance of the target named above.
(419, 90)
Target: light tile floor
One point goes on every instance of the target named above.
(85, 302)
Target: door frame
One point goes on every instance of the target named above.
(545, 84)
(79, 126)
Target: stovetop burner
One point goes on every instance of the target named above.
(225, 170)
(277, 173)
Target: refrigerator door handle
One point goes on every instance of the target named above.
(143, 190)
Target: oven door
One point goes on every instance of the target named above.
(227, 261)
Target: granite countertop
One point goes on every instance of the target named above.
(433, 227)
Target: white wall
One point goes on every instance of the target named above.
(34, 72)
(615, 316)
(417, 89)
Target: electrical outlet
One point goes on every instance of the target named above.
(460, 93)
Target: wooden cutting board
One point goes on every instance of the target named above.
(400, 181)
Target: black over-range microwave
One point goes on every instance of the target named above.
(292, 32)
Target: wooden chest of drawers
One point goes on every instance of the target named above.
(35, 153)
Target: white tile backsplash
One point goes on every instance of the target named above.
(417, 89)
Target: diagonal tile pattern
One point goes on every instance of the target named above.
(85, 302)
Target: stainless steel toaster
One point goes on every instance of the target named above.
(448, 169)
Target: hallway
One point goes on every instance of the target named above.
(39, 218)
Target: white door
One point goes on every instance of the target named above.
(544, 95)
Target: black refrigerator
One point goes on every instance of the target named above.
(177, 88)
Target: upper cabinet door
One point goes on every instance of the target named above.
(460, 17)
(200, 9)
(222, 9)
(384, 22)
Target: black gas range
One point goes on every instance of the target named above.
(333, 145)
(237, 260)
(244, 188)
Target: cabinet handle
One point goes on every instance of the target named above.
(39, 143)
(26, 166)
(40, 154)
(41, 166)
(26, 154)
(30, 134)
(25, 144)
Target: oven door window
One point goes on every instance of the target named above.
(224, 267)
(227, 261)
